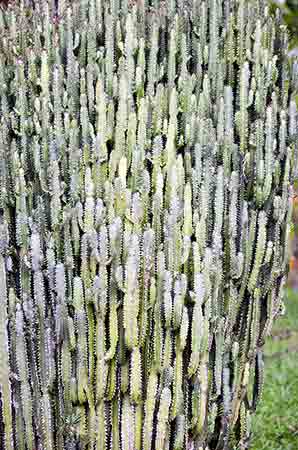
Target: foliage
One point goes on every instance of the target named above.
(147, 153)
(289, 10)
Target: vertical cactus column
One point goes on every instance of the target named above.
(147, 154)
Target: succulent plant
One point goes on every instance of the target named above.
(147, 154)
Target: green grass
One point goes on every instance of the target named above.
(275, 425)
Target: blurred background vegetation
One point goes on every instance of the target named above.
(275, 426)
(289, 9)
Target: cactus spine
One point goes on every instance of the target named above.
(147, 153)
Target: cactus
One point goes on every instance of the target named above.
(147, 154)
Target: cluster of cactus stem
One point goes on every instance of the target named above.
(147, 152)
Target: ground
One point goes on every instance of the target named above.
(275, 426)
